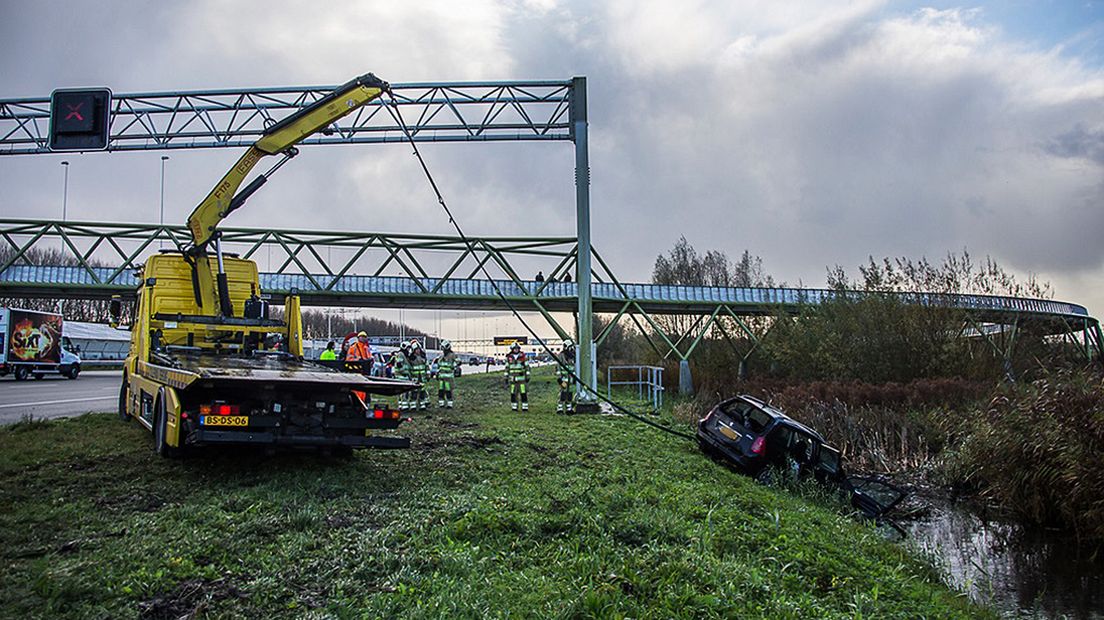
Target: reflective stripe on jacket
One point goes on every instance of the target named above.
(446, 366)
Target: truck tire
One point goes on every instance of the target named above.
(21, 373)
(124, 395)
(74, 370)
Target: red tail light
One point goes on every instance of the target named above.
(759, 446)
(224, 409)
(378, 414)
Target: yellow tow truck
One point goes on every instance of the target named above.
(208, 366)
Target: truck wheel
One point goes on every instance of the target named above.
(74, 370)
(21, 373)
(124, 396)
(161, 431)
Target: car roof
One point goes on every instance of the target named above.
(780, 416)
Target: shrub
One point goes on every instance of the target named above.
(1038, 449)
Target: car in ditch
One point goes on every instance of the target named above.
(759, 440)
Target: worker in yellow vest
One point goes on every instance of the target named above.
(446, 374)
(419, 371)
(517, 377)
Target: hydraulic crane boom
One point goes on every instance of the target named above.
(281, 138)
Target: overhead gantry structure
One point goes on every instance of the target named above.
(534, 110)
(102, 256)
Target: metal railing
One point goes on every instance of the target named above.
(648, 383)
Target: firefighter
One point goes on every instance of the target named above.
(419, 371)
(446, 374)
(564, 372)
(517, 377)
(400, 362)
(359, 356)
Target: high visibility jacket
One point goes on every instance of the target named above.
(517, 368)
(418, 365)
(400, 365)
(565, 368)
(446, 366)
(328, 355)
(358, 351)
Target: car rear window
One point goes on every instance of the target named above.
(750, 417)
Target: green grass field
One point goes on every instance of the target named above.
(490, 514)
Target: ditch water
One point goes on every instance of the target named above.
(1037, 573)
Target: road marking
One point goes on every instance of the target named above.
(57, 402)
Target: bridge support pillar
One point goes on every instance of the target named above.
(686, 381)
(588, 395)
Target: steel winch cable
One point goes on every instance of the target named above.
(395, 112)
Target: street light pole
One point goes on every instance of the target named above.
(161, 221)
(65, 193)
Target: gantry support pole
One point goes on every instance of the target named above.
(587, 370)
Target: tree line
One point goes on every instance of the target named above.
(868, 331)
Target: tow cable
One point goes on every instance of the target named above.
(397, 115)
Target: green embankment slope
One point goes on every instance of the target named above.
(491, 514)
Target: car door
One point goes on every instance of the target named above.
(874, 496)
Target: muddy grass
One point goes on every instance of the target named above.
(491, 514)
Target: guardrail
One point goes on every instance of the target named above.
(648, 382)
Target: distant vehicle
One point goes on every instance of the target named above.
(31, 344)
(474, 361)
(758, 439)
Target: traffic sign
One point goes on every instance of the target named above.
(80, 119)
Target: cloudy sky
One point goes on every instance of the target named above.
(810, 133)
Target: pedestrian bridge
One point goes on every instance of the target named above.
(482, 294)
(376, 270)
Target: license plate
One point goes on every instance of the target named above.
(728, 432)
(224, 420)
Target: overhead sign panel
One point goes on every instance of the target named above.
(80, 119)
(510, 340)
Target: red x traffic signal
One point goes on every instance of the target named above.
(80, 119)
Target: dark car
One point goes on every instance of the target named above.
(757, 439)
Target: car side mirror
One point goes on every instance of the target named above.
(115, 310)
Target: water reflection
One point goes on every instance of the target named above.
(999, 563)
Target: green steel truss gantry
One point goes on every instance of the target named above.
(529, 110)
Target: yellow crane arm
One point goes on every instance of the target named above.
(280, 138)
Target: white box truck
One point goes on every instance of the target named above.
(31, 343)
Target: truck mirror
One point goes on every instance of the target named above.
(115, 310)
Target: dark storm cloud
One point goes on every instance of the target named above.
(1080, 142)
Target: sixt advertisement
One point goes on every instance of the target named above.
(34, 337)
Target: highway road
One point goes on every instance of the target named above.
(54, 396)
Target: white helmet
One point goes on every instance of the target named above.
(446, 345)
(568, 344)
(415, 344)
